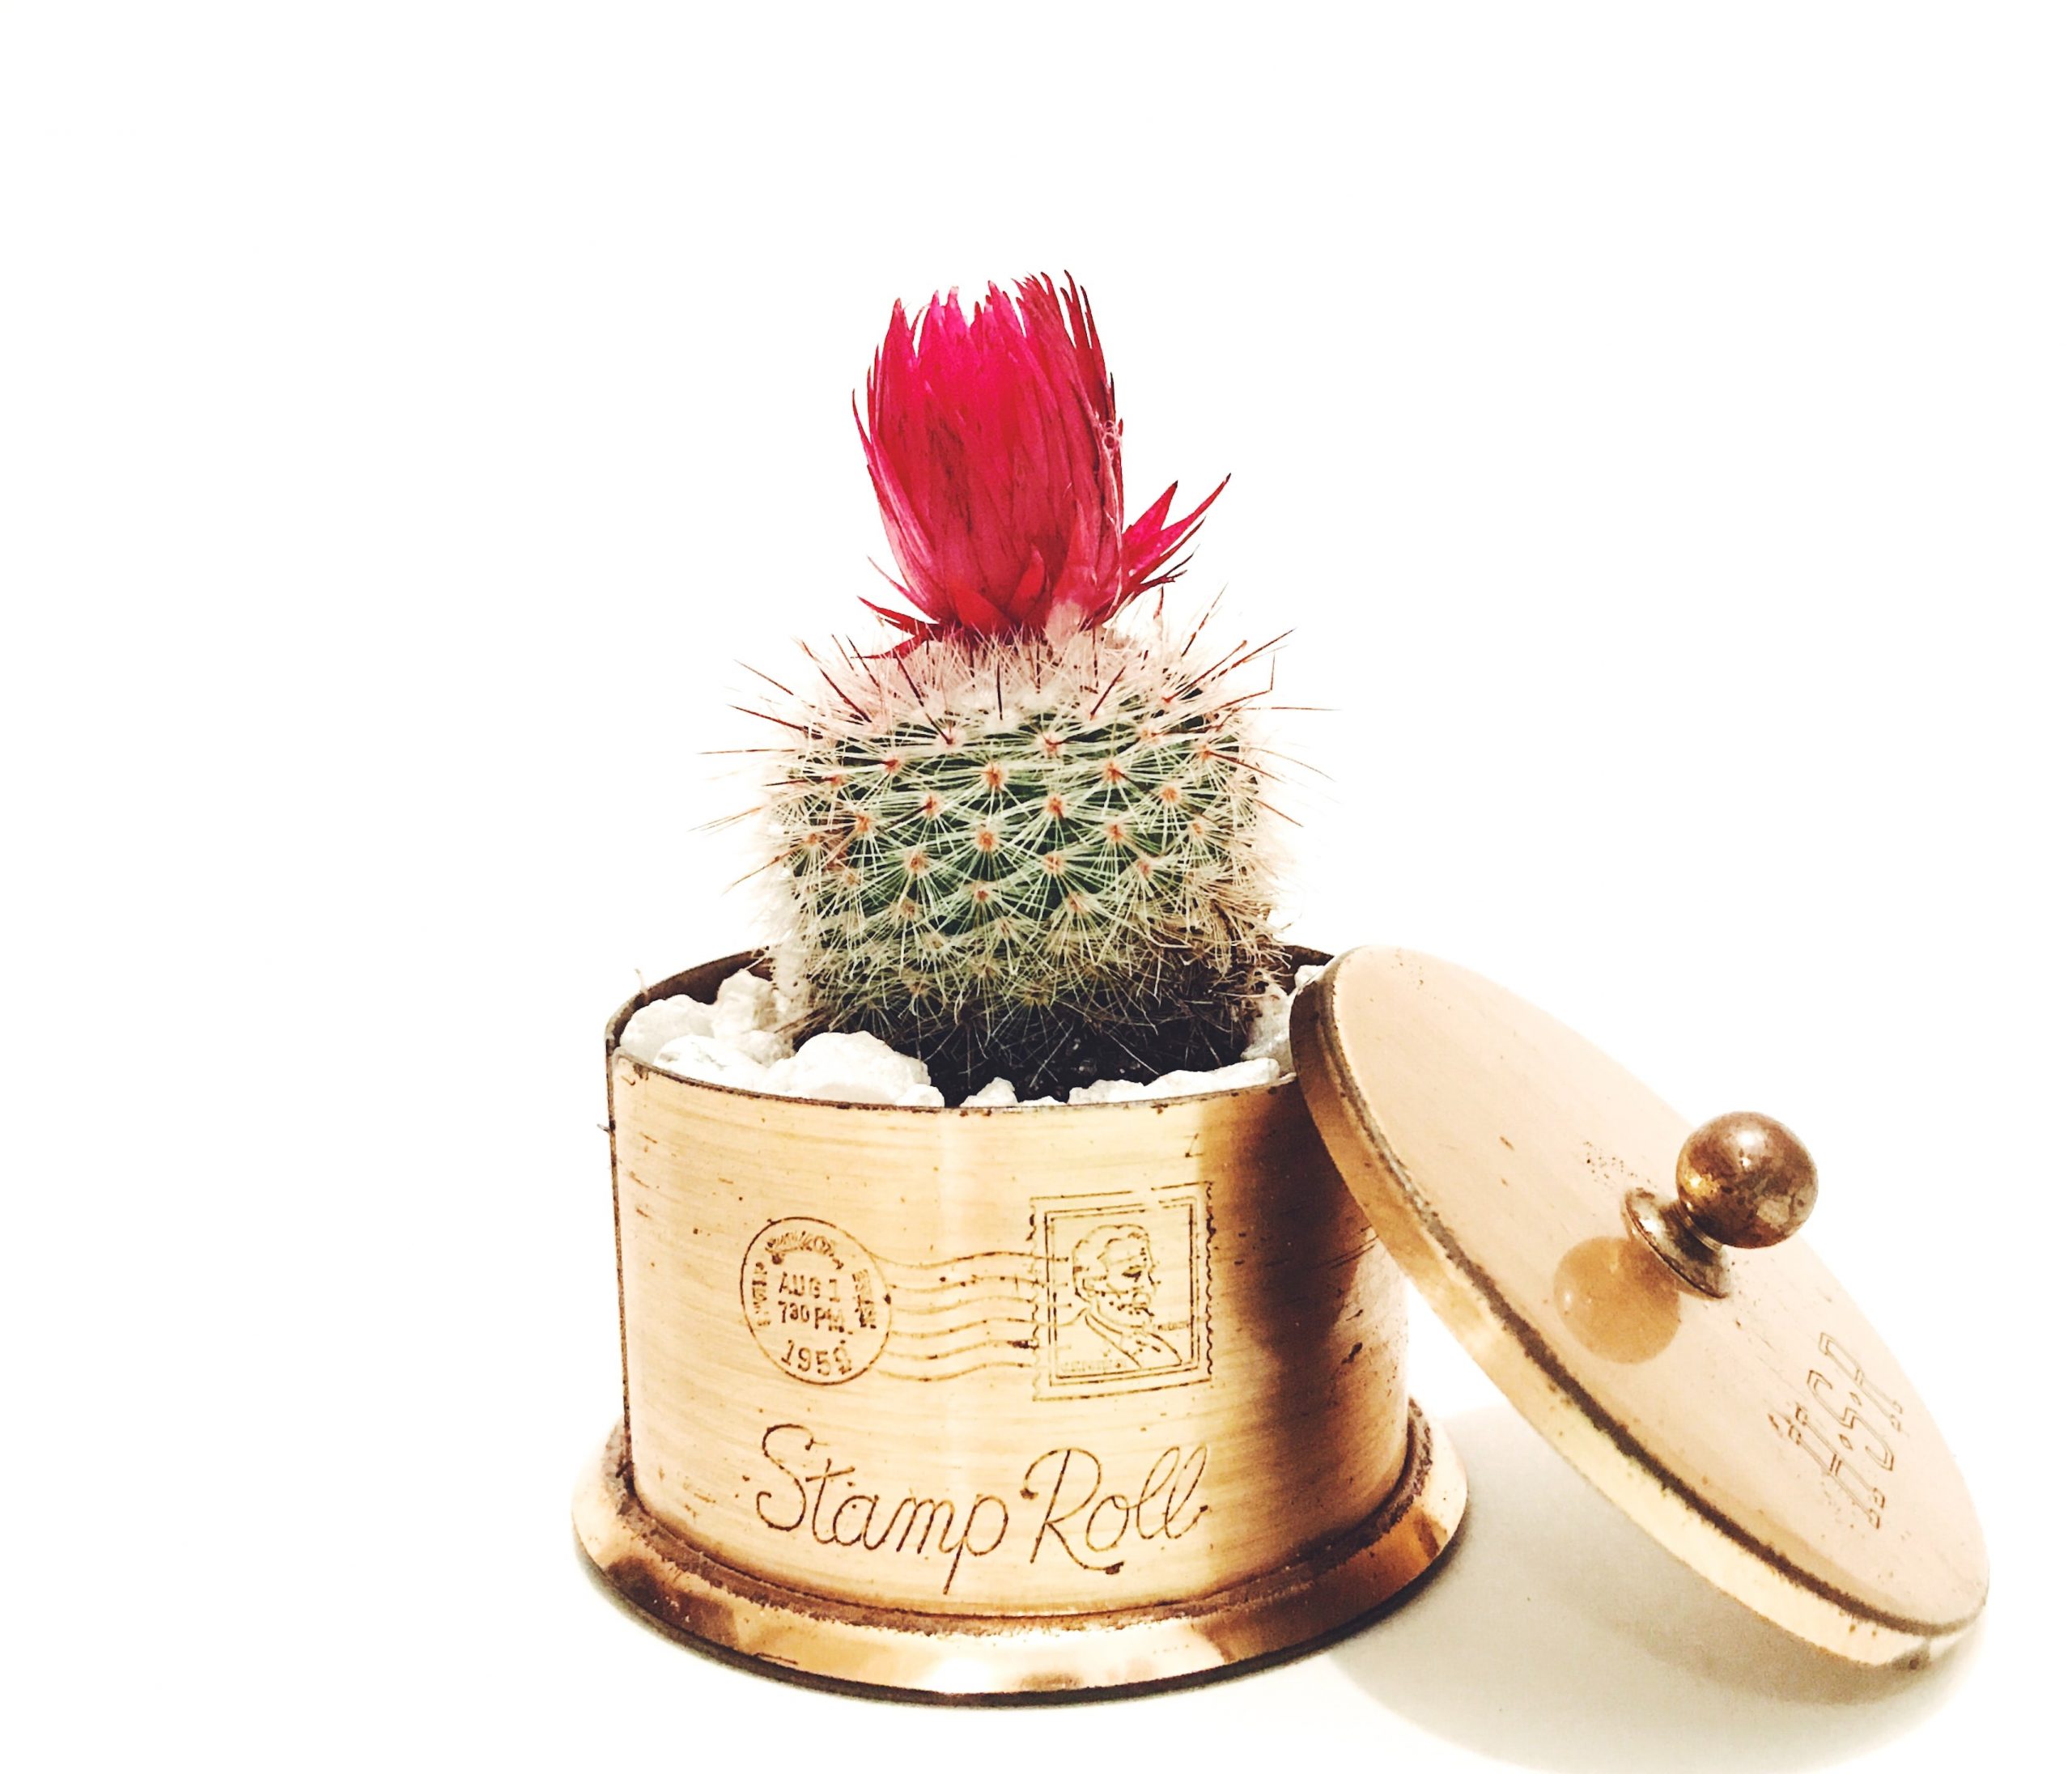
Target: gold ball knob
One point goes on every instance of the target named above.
(1746, 1181)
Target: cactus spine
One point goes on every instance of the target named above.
(1038, 858)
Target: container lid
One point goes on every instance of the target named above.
(1636, 1289)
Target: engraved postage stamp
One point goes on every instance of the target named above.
(1112, 1297)
(1125, 1291)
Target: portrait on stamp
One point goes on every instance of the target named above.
(1125, 1304)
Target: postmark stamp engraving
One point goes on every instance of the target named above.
(1112, 1294)
(816, 1301)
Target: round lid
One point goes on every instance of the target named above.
(1635, 1288)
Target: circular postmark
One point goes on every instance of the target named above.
(816, 1301)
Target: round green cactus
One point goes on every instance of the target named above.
(1044, 860)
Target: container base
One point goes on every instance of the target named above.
(804, 1637)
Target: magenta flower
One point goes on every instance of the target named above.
(997, 457)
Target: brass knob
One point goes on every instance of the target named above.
(1742, 1180)
(1745, 1180)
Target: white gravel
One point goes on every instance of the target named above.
(738, 1040)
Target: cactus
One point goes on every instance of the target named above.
(1028, 840)
(1042, 861)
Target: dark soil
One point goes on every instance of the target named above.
(1202, 1021)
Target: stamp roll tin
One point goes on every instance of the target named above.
(986, 1403)
(991, 1402)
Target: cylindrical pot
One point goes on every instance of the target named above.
(992, 1402)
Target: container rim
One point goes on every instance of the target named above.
(1297, 956)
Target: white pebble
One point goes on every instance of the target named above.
(765, 1047)
(654, 1026)
(744, 1003)
(852, 1069)
(1239, 1076)
(717, 1061)
(1270, 1028)
(1110, 1090)
(1244, 1073)
(999, 1094)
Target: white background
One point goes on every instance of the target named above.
(1654, 420)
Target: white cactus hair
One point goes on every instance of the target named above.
(1050, 857)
